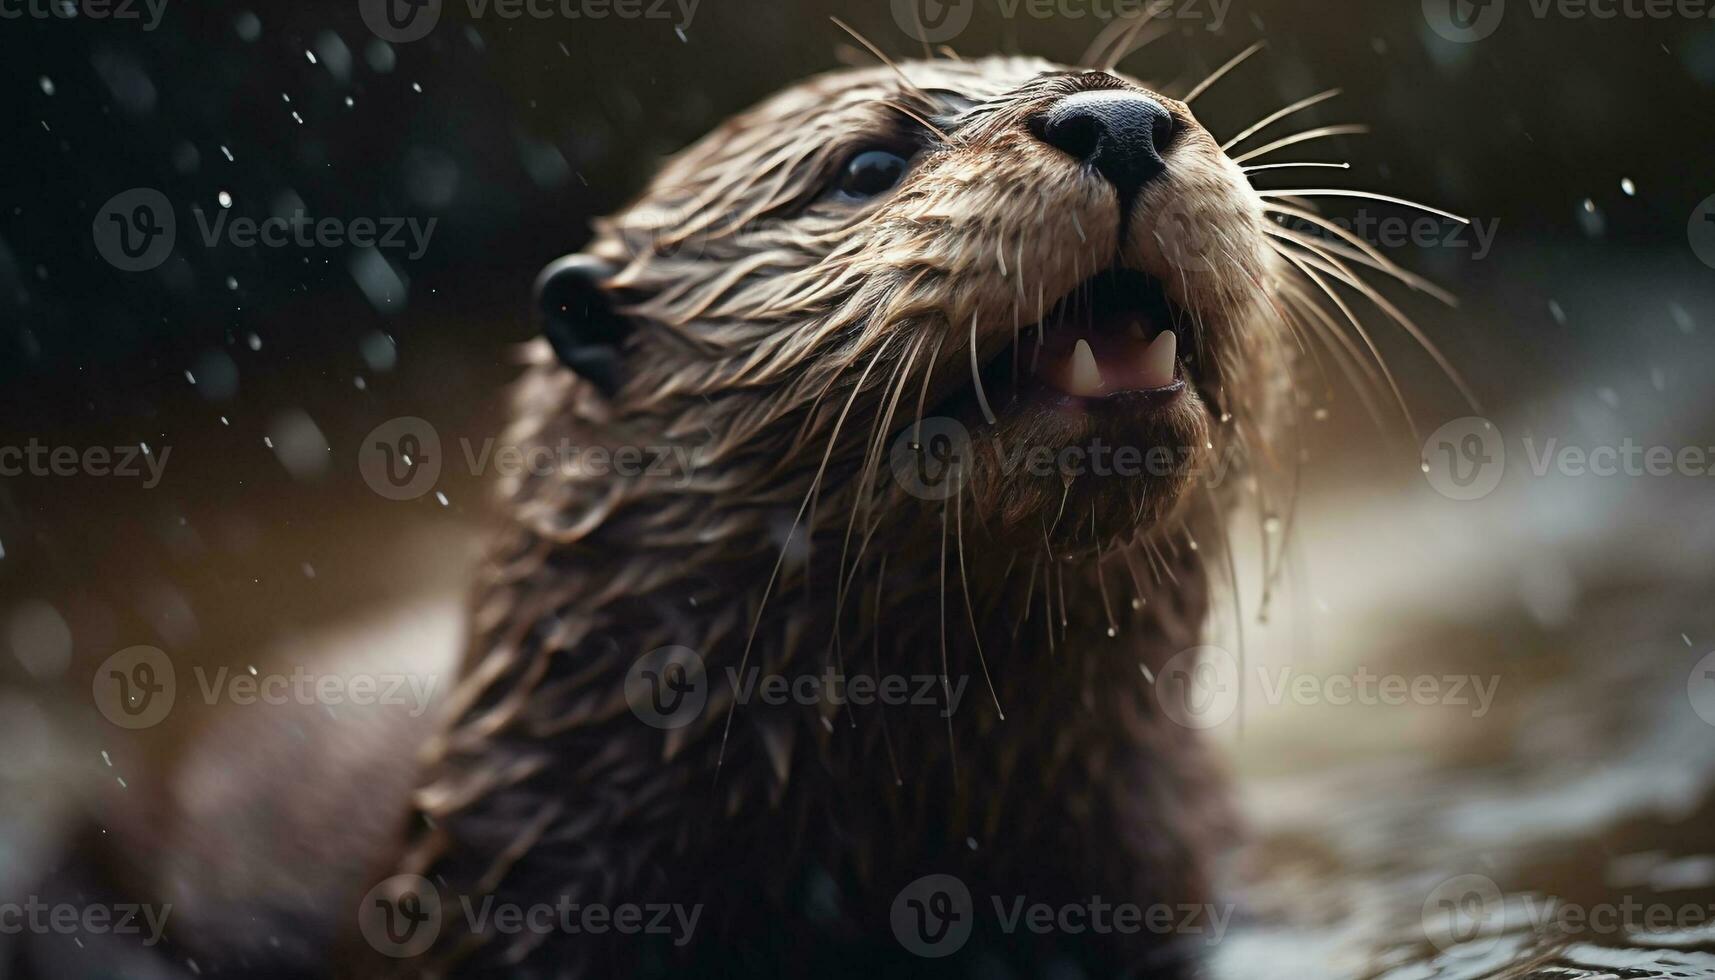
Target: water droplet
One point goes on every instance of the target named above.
(47, 85)
(1630, 189)
(442, 498)
(225, 199)
(1113, 632)
(1137, 602)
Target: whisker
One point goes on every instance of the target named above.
(1278, 115)
(1126, 29)
(1282, 166)
(768, 590)
(976, 374)
(1371, 256)
(1367, 196)
(1303, 264)
(1217, 74)
(970, 611)
(1335, 267)
(1321, 132)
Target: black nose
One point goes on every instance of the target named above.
(1120, 133)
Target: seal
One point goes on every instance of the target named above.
(864, 308)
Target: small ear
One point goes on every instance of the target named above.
(579, 319)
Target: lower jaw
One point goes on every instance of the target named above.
(1139, 401)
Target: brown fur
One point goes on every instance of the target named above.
(790, 340)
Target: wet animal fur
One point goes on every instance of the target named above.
(789, 341)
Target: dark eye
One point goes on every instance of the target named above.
(869, 173)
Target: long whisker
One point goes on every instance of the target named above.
(1371, 256)
(1344, 129)
(889, 62)
(1278, 115)
(1218, 73)
(970, 611)
(1127, 37)
(785, 548)
(1364, 195)
(1334, 266)
(1304, 265)
(976, 374)
(1283, 166)
(1346, 352)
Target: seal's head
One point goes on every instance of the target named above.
(1046, 288)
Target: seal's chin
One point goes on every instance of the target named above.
(1099, 430)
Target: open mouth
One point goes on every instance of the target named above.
(1116, 336)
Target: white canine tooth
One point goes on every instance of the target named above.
(1158, 360)
(1086, 377)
